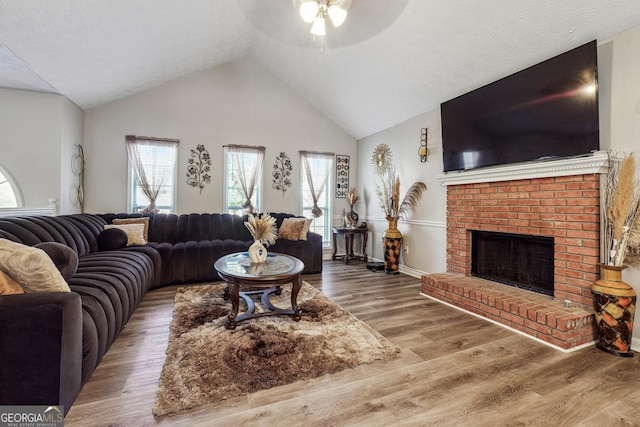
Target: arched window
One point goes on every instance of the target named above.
(9, 195)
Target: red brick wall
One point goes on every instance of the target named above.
(566, 208)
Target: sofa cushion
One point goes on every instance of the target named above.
(305, 228)
(291, 228)
(8, 286)
(142, 220)
(135, 233)
(111, 284)
(31, 268)
(111, 239)
(64, 258)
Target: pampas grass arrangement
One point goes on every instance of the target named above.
(262, 228)
(388, 192)
(622, 212)
(352, 196)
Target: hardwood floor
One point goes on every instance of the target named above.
(455, 369)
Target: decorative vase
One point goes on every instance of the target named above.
(614, 302)
(392, 239)
(257, 252)
(354, 216)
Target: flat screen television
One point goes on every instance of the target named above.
(547, 111)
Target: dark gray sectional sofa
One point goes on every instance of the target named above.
(53, 341)
(189, 243)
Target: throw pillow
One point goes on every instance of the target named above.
(64, 258)
(135, 233)
(112, 239)
(291, 228)
(8, 286)
(142, 220)
(305, 228)
(31, 268)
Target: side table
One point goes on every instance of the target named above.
(349, 236)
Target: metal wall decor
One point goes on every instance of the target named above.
(342, 176)
(282, 173)
(78, 166)
(199, 168)
(381, 159)
(422, 151)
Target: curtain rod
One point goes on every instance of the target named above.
(152, 138)
(317, 152)
(259, 147)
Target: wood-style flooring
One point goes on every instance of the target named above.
(454, 370)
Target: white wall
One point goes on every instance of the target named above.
(237, 103)
(424, 230)
(72, 134)
(625, 117)
(36, 129)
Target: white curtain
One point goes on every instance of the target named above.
(248, 163)
(151, 177)
(316, 172)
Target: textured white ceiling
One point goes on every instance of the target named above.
(390, 61)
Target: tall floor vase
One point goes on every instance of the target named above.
(392, 239)
(614, 302)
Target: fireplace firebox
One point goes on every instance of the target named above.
(519, 260)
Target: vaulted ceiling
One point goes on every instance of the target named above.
(390, 61)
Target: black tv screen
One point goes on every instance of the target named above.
(547, 111)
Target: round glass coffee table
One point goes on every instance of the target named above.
(238, 271)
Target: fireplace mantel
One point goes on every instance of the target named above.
(595, 163)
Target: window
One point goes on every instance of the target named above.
(8, 192)
(243, 178)
(152, 164)
(316, 197)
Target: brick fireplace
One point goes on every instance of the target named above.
(560, 200)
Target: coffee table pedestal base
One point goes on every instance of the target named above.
(268, 308)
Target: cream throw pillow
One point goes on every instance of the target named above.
(31, 268)
(305, 228)
(144, 221)
(291, 228)
(135, 233)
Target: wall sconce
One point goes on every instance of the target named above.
(422, 151)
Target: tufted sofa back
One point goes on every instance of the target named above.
(78, 231)
(172, 228)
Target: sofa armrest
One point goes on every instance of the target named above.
(41, 342)
(315, 240)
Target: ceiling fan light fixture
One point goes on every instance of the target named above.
(318, 28)
(309, 10)
(315, 13)
(337, 15)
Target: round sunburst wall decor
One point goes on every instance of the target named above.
(381, 159)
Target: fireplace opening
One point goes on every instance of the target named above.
(518, 260)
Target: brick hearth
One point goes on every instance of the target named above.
(566, 208)
(534, 314)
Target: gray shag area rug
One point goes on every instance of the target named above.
(207, 363)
